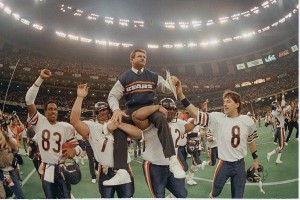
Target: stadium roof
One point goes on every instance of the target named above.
(154, 14)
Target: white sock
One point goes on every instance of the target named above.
(278, 157)
(272, 152)
(190, 174)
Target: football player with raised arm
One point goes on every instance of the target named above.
(211, 144)
(50, 136)
(193, 144)
(280, 131)
(99, 134)
(233, 132)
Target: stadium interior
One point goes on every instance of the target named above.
(247, 46)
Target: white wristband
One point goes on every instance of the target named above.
(38, 82)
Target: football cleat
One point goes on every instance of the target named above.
(286, 144)
(93, 180)
(278, 162)
(190, 181)
(122, 177)
(170, 196)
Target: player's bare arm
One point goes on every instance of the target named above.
(81, 127)
(132, 131)
(140, 116)
(189, 126)
(253, 149)
(188, 106)
(32, 92)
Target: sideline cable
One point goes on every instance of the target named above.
(9, 85)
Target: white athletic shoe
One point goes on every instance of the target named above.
(82, 162)
(194, 182)
(203, 165)
(275, 143)
(176, 168)
(190, 181)
(268, 157)
(278, 162)
(286, 144)
(93, 180)
(170, 196)
(122, 176)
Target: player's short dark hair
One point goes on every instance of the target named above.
(47, 103)
(132, 54)
(236, 97)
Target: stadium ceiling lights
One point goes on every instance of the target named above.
(171, 24)
(191, 44)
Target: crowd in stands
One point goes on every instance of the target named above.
(37, 62)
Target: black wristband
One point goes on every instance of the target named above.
(254, 155)
(185, 102)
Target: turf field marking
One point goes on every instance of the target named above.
(28, 177)
(25, 180)
(264, 143)
(255, 184)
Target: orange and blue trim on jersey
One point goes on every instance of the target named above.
(34, 119)
(251, 137)
(202, 119)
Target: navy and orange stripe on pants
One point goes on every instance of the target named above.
(233, 170)
(281, 139)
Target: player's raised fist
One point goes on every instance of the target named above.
(82, 90)
(45, 74)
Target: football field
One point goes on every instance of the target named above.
(281, 181)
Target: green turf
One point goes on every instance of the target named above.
(281, 180)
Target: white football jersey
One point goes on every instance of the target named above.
(232, 134)
(279, 117)
(153, 149)
(177, 131)
(102, 143)
(210, 136)
(50, 138)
